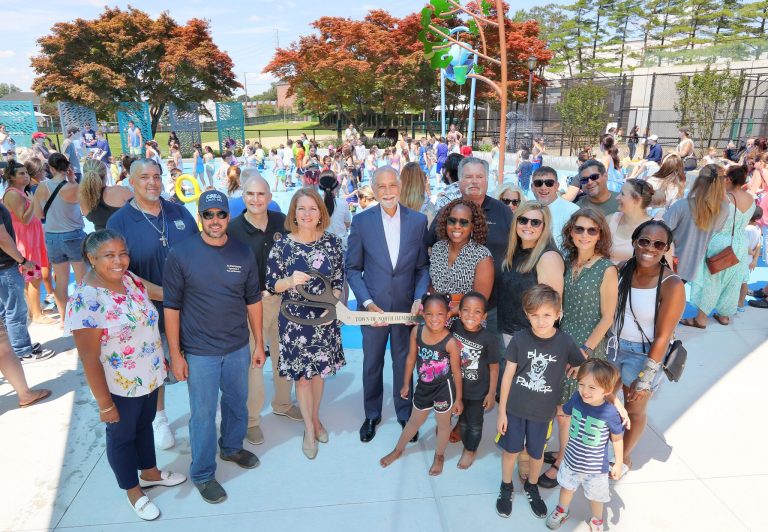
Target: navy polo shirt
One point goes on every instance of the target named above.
(211, 286)
(147, 253)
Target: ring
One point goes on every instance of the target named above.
(195, 187)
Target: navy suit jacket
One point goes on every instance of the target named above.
(369, 271)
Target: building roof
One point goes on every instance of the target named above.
(24, 96)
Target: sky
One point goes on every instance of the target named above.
(248, 31)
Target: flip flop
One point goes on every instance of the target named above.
(721, 319)
(44, 394)
(691, 322)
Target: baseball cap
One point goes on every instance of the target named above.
(38, 135)
(654, 138)
(212, 199)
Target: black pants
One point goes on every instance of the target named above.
(471, 423)
(131, 441)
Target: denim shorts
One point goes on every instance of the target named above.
(65, 247)
(630, 361)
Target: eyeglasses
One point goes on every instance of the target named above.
(507, 201)
(591, 231)
(463, 222)
(208, 215)
(534, 222)
(646, 243)
(543, 183)
(586, 179)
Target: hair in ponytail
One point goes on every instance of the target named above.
(328, 184)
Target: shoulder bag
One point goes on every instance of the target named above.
(726, 258)
(674, 360)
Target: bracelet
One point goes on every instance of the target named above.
(589, 350)
(104, 411)
(23, 262)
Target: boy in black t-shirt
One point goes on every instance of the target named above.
(479, 371)
(537, 361)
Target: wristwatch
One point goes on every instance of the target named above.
(23, 262)
(589, 351)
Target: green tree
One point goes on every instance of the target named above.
(583, 113)
(129, 56)
(706, 98)
(8, 88)
(623, 20)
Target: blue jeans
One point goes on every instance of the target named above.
(13, 310)
(207, 375)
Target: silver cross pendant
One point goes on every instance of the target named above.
(164, 240)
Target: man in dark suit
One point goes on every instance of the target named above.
(388, 270)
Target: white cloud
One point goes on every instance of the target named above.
(6, 53)
(255, 18)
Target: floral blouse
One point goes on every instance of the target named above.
(131, 350)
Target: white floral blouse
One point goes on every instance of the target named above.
(131, 350)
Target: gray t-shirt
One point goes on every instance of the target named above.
(690, 241)
(607, 207)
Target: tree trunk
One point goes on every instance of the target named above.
(155, 113)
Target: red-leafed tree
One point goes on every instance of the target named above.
(128, 56)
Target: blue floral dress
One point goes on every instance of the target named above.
(131, 351)
(307, 350)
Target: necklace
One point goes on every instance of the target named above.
(161, 231)
(580, 266)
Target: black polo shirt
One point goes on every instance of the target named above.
(259, 241)
(499, 218)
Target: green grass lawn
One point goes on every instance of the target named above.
(271, 135)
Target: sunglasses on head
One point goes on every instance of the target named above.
(658, 245)
(463, 222)
(586, 179)
(507, 201)
(534, 222)
(543, 183)
(209, 215)
(591, 231)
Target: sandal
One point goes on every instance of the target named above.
(722, 320)
(42, 395)
(546, 482)
(758, 303)
(691, 322)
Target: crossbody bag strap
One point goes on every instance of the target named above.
(51, 198)
(733, 226)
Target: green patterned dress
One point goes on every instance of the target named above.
(581, 312)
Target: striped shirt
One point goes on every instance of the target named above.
(591, 427)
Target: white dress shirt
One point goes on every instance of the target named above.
(392, 237)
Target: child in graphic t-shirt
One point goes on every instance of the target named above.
(435, 354)
(479, 371)
(537, 361)
(593, 422)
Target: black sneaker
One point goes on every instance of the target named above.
(243, 458)
(538, 507)
(504, 502)
(212, 491)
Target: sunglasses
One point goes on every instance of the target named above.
(646, 243)
(586, 179)
(209, 215)
(543, 183)
(591, 231)
(534, 222)
(507, 201)
(463, 222)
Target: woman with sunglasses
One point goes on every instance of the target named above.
(460, 262)
(650, 303)
(589, 303)
(634, 198)
(720, 291)
(511, 196)
(693, 220)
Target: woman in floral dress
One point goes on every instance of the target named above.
(308, 353)
(114, 325)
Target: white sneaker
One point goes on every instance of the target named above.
(163, 435)
(145, 509)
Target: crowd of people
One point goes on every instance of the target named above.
(559, 309)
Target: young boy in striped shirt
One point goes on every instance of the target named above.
(593, 421)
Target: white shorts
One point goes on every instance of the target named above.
(595, 484)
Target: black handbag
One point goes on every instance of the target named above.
(674, 360)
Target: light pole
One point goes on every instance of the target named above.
(531, 66)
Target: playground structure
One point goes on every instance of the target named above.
(441, 45)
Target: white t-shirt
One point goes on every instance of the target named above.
(288, 157)
(753, 237)
(339, 219)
